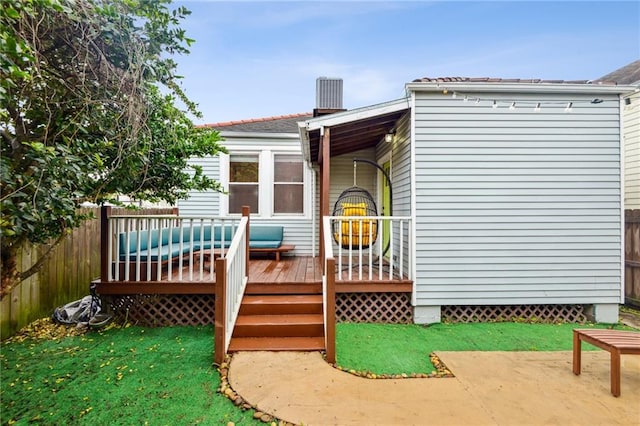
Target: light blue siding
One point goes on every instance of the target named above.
(517, 207)
(203, 203)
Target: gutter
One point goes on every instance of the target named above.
(482, 87)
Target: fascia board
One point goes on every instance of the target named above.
(258, 135)
(520, 87)
(355, 114)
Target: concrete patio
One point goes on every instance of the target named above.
(489, 388)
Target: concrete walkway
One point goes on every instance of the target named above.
(490, 388)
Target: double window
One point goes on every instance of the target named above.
(269, 183)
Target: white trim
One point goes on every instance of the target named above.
(266, 157)
(352, 115)
(224, 160)
(518, 87)
(312, 206)
(258, 135)
(622, 195)
(412, 195)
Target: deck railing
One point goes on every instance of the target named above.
(329, 295)
(388, 258)
(231, 281)
(157, 248)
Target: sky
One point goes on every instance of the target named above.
(254, 59)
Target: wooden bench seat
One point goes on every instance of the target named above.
(616, 342)
(277, 250)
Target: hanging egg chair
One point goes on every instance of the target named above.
(355, 202)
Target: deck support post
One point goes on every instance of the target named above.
(325, 174)
(245, 212)
(220, 312)
(330, 314)
(105, 212)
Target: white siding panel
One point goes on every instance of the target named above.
(342, 175)
(203, 203)
(517, 207)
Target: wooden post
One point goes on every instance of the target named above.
(325, 162)
(330, 315)
(245, 212)
(220, 313)
(105, 212)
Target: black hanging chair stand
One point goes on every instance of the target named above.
(353, 202)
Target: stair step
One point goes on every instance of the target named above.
(276, 344)
(283, 288)
(281, 304)
(295, 325)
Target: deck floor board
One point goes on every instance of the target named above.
(289, 270)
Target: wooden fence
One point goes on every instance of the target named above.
(632, 257)
(65, 277)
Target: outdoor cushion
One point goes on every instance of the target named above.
(352, 234)
(261, 236)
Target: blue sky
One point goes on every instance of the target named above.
(261, 58)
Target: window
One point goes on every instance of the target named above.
(271, 182)
(288, 184)
(243, 182)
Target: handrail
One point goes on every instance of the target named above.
(231, 281)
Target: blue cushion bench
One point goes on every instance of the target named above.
(268, 239)
(166, 244)
(156, 244)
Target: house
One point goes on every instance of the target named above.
(513, 187)
(493, 199)
(630, 75)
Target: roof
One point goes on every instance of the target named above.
(276, 124)
(351, 130)
(523, 85)
(496, 80)
(628, 74)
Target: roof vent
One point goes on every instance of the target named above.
(329, 93)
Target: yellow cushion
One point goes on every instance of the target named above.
(354, 209)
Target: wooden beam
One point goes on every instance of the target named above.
(105, 212)
(220, 313)
(154, 287)
(330, 314)
(325, 180)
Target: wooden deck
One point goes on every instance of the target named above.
(288, 271)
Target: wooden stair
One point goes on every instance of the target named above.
(279, 318)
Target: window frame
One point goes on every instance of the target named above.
(266, 179)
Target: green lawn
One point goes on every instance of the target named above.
(160, 376)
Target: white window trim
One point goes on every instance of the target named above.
(266, 180)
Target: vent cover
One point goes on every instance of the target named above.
(328, 93)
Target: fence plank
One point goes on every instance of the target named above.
(632, 257)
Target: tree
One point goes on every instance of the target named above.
(88, 95)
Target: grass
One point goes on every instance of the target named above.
(397, 349)
(163, 376)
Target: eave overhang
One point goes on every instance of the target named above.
(351, 130)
